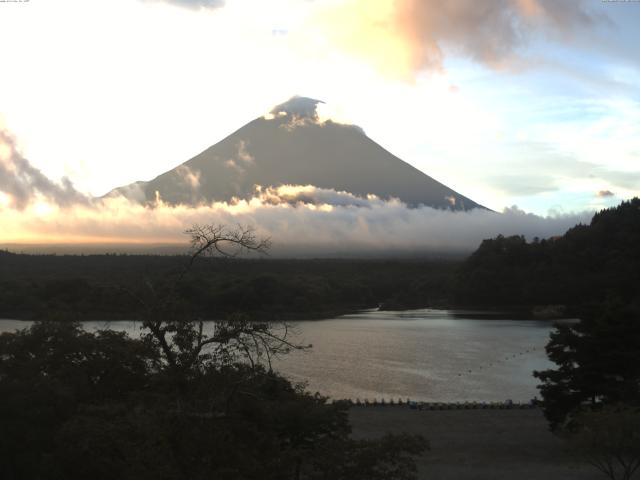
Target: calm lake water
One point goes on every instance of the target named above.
(430, 355)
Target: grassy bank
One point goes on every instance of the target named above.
(477, 444)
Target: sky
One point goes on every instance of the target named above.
(527, 103)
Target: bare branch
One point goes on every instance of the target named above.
(183, 341)
(209, 239)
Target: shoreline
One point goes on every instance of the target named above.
(450, 405)
(465, 312)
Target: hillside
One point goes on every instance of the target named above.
(585, 266)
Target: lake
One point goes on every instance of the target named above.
(429, 355)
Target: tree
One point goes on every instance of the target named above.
(182, 402)
(181, 339)
(597, 362)
(46, 372)
(593, 397)
(581, 267)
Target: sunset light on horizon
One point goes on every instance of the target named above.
(527, 103)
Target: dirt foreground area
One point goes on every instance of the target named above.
(477, 444)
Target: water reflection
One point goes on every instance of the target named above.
(427, 355)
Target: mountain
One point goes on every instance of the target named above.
(291, 146)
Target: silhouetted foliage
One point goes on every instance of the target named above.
(181, 402)
(46, 373)
(584, 266)
(597, 363)
(76, 287)
(77, 405)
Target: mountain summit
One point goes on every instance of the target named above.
(291, 146)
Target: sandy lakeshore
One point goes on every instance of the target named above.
(477, 444)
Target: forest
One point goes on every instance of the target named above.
(578, 270)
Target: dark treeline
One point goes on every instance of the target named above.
(97, 286)
(582, 268)
(579, 269)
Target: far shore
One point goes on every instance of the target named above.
(467, 312)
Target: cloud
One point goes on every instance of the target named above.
(195, 3)
(531, 168)
(241, 160)
(22, 184)
(524, 184)
(625, 179)
(303, 111)
(301, 220)
(243, 153)
(605, 193)
(189, 177)
(298, 107)
(305, 195)
(415, 34)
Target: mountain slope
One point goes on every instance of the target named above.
(293, 147)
